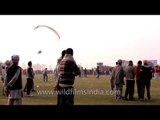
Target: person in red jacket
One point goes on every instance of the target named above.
(155, 72)
(139, 78)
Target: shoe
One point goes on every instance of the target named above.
(149, 98)
(33, 90)
(140, 99)
(125, 98)
(131, 98)
(30, 95)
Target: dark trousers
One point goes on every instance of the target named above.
(25, 87)
(146, 84)
(65, 96)
(45, 77)
(139, 88)
(29, 85)
(3, 93)
(129, 89)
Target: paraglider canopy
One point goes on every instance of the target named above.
(39, 52)
(48, 28)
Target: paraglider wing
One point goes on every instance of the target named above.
(39, 52)
(49, 28)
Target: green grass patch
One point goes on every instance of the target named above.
(88, 91)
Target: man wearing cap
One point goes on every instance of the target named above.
(13, 82)
(117, 79)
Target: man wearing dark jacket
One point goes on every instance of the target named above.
(147, 76)
(68, 71)
(139, 79)
(30, 77)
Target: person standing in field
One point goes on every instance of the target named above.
(30, 77)
(130, 82)
(13, 82)
(117, 79)
(147, 70)
(3, 76)
(68, 70)
(56, 70)
(5, 68)
(45, 75)
(112, 78)
(8, 63)
(139, 78)
(85, 72)
(57, 75)
(155, 72)
(97, 72)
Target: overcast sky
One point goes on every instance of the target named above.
(94, 38)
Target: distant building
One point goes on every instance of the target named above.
(104, 69)
(152, 63)
(100, 64)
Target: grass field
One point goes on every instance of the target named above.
(88, 91)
